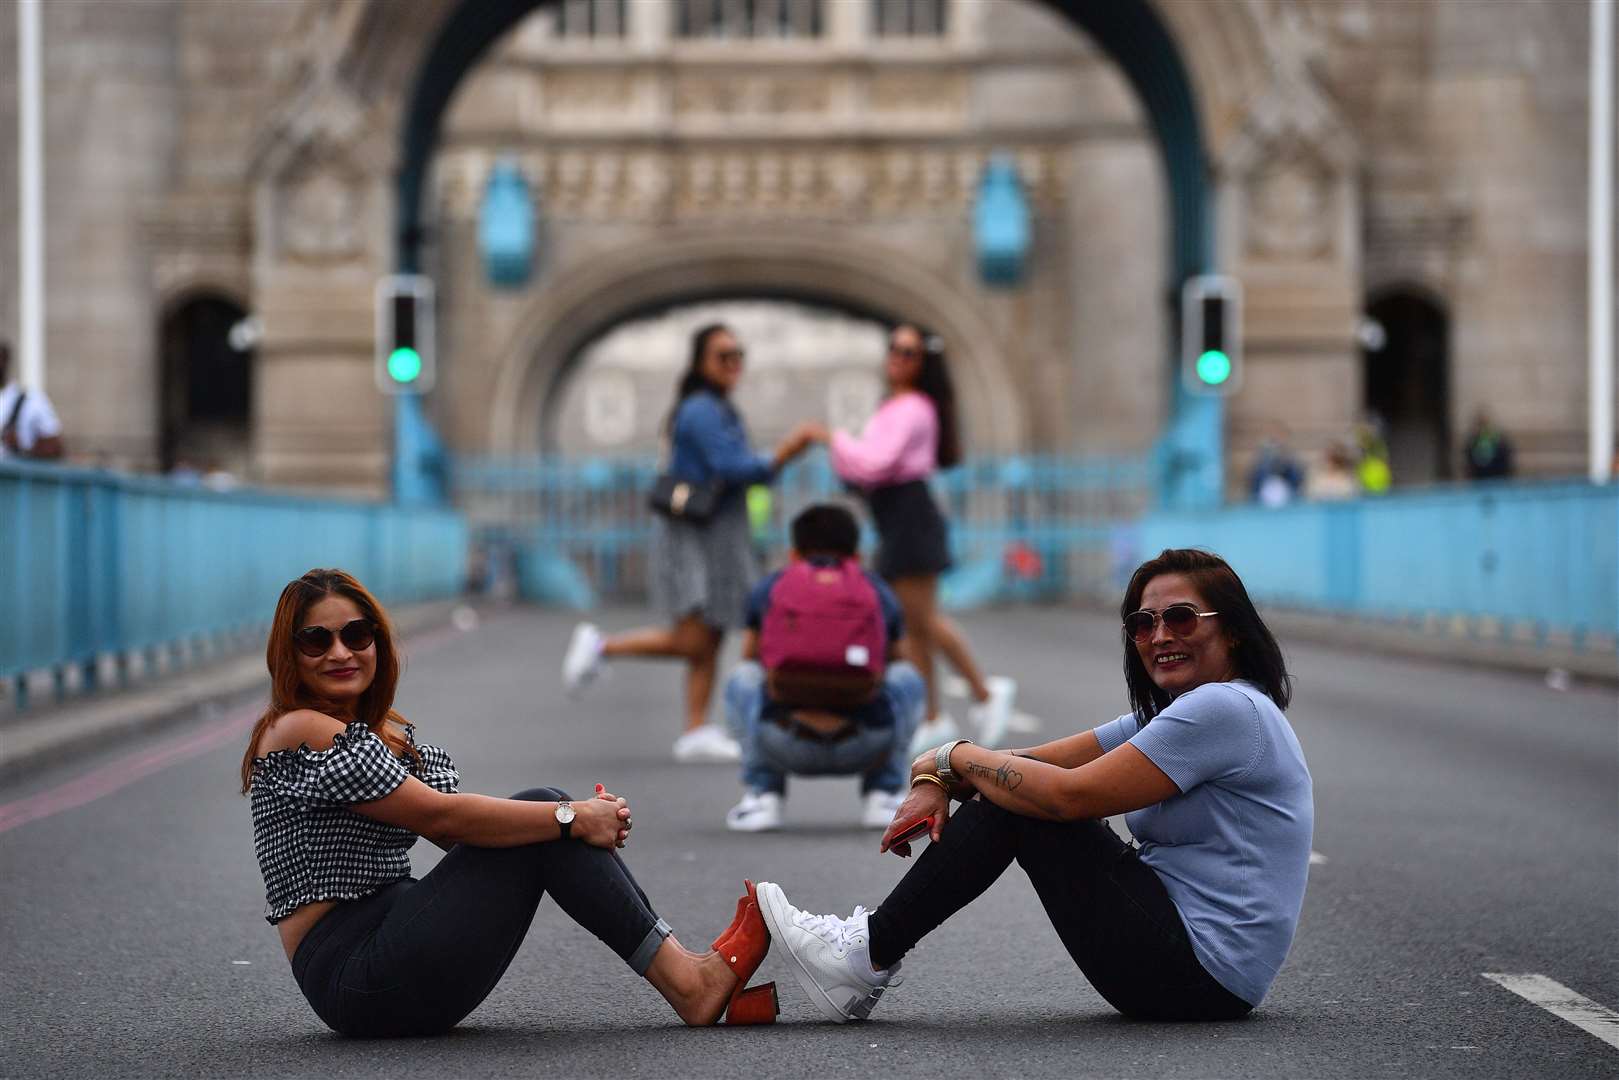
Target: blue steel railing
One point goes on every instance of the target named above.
(1536, 563)
(97, 565)
(1027, 526)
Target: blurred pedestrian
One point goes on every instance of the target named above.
(1372, 469)
(1191, 925)
(1276, 476)
(340, 792)
(910, 437)
(700, 571)
(1335, 479)
(823, 689)
(29, 427)
(1488, 450)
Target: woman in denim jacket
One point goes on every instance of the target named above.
(699, 573)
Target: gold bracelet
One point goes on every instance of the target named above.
(931, 779)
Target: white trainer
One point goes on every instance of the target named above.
(583, 660)
(991, 718)
(831, 957)
(707, 744)
(930, 733)
(879, 808)
(759, 811)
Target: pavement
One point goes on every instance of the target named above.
(1466, 824)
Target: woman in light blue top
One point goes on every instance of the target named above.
(699, 573)
(1193, 921)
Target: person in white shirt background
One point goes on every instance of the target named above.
(28, 425)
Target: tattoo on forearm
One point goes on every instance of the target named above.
(1005, 777)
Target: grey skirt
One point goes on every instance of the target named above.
(705, 569)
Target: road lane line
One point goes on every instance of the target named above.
(1559, 1000)
(118, 774)
(1316, 858)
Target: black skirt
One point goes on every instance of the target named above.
(913, 536)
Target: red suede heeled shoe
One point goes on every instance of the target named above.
(743, 945)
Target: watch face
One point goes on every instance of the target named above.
(564, 812)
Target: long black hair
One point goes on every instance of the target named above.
(1254, 651)
(934, 381)
(693, 380)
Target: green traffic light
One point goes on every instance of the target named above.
(1214, 367)
(404, 365)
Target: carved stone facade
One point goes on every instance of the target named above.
(1357, 149)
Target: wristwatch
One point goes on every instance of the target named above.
(565, 816)
(941, 761)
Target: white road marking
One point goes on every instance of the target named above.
(1316, 858)
(1559, 1000)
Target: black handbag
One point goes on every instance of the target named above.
(682, 500)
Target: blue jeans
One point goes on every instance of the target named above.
(879, 754)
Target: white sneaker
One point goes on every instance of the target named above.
(759, 811)
(880, 808)
(706, 744)
(583, 660)
(930, 733)
(830, 956)
(990, 718)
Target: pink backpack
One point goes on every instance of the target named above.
(823, 643)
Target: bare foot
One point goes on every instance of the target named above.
(697, 985)
(710, 994)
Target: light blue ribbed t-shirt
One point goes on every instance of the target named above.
(1233, 848)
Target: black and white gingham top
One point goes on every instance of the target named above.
(311, 846)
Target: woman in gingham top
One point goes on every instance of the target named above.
(340, 791)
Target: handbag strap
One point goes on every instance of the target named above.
(16, 410)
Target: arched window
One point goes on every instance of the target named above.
(1406, 381)
(207, 386)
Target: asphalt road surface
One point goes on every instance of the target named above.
(1467, 822)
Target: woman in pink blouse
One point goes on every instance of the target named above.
(913, 434)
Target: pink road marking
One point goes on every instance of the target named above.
(100, 782)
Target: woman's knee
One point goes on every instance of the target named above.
(542, 794)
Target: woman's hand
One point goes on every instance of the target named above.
(796, 442)
(603, 821)
(925, 799)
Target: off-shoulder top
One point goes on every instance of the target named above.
(311, 845)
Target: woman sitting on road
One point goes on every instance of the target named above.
(1191, 925)
(341, 789)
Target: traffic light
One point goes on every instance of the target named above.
(406, 360)
(1211, 334)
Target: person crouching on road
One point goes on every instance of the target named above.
(1191, 925)
(340, 791)
(822, 689)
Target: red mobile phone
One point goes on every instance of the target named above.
(912, 831)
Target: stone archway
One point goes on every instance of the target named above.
(608, 286)
(1248, 120)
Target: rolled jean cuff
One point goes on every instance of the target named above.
(641, 958)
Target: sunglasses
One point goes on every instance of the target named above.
(731, 357)
(316, 641)
(1180, 619)
(909, 352)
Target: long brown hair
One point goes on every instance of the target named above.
(1254, 651)
(934, 381)
(287, 689)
